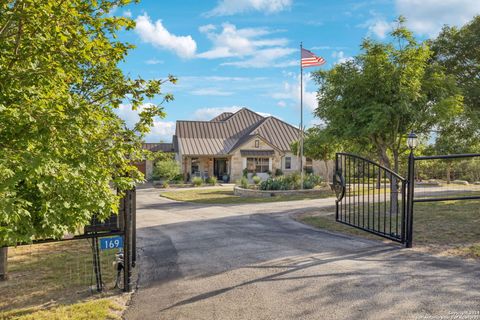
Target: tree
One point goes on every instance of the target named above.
(458, 51)
(385, 92)
(166, 169)
(318, 145)
(64, 149)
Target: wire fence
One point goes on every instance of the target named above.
(59, 271)
(447, 177)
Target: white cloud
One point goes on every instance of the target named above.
(428, 16)
(127, 13)
(291, 92)
(230, 7)
(378, 26)
(154, 61)
(281, 104)
(211, 92)
(340, 56)
(157, 35)
(249, 45)
(210, 113)
(161, 130)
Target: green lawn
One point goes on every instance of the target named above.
(226, 196)
(52, 281)
(449, 227)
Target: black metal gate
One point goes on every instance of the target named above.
(370, 197)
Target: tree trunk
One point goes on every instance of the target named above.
(3, 263)
(326, 171)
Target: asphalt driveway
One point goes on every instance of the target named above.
(254, 262)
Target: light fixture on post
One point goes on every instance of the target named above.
(412, 140)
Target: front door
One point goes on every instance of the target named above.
(220, 168)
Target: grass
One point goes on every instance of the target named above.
(52, 280)
(226, 196)
(449, 227)
(90, 310)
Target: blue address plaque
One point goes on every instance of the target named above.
(111, 243)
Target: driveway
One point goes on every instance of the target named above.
(255, 262)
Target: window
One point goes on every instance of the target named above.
(288, 162)
(258, 165)
(308, 165)
(257, 144)
(195, 169)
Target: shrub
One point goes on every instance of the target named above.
(243, 183)
(291, 182)
(245, 173)
(256, 180)
(165, 184)
(166, 169)
(212, 180)
(311, 180)
(278, 172)
(197, 181)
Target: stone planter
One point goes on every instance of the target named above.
(239, 191)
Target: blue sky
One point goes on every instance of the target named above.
(229, 54)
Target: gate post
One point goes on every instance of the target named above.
(410, 195)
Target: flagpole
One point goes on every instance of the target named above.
(301, 119)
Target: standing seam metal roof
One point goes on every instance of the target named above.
(224, 132)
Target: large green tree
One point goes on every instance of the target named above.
(64, 150)
(385, 92)
(458, 51)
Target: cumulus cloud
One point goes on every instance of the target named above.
(231, 7)
(161, 130)
(291, 91)
(250, 45)
(378, 26)
(340, 57)
(157, 35)
(210, 113)
(428, 16)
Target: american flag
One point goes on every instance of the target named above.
(311, 60)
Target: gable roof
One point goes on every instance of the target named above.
(164, 147)
(228, 131)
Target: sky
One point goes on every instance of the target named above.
(229, 54)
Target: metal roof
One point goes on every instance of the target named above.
(226, 131)
(164, 147)
(256, 153)
(222, 116)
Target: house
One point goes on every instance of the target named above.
(146, 166)
(231, 142)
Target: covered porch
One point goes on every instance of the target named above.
(207, 166)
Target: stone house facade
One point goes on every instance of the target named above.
(231, 142)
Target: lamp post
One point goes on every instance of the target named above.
(412, 142)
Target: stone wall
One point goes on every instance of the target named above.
(273, 193)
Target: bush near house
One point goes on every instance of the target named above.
(256, 180)
(167, 170)
(211, 180)
(197, 181)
